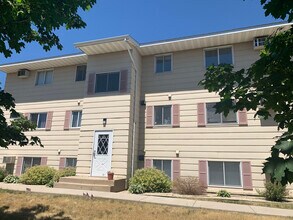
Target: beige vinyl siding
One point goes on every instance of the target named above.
(114, 106)
(213, 142)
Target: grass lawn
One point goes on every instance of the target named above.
(33, 206)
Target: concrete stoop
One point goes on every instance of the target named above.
(91, 183)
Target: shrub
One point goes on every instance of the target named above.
(68, 171)
(3, 173)
(274, 191)
(149, 180)
(38, 175)
(188, 186)
(224, 193)
(11, 179)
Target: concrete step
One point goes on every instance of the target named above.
(91, 183)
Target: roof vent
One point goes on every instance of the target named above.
(23, 73)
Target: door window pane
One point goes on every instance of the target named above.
(103, 142)
(216, 176)
(232, 174)
(211, 57)
(225, 55)
(113, 82)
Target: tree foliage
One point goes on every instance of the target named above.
(25, 21)
(264, 87)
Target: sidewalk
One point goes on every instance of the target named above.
(155, 199)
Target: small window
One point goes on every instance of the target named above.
(260, 41)
(163, 115)
(76, 119)
(215, 118)
(39, 119)
(44, 77)
(224, 173)
(164, 165)
(163, 63)
(29, 162)
(70, 162)
(107, 82)
(218, 56)
(80, 73)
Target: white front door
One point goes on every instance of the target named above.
(102, 153)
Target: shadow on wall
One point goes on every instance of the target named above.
(30, 213)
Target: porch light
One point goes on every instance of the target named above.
(104, 122)
(177, 153)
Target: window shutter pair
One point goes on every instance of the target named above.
(92, 82)
(201, 116)
(176, 167)
(49, 119)
(20, 163)
(175, 116)
(246, 174)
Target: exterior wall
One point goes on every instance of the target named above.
(56, 97)
(220, 143)
(114, 106)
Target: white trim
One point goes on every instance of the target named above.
(155, 63)
(79, 116)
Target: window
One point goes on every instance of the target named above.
(224, 173)
(259, 41)
(14, 115)
(76, 119)
(107, 82)
(80, 73)
(218, 56)
(163, 115)
(44, 77)
(215, 118)
(39, 119)
(163, 63)
(164, 165)
(29, 162)
(70, 162)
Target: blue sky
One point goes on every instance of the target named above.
(151, 20)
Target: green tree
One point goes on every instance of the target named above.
(26, 21)
(264, 87)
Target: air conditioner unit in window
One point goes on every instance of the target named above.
(259, 42)
(23, 73)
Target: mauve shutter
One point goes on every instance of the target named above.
(123, 80)
(246, 175)
(44, 161)
(19, 166)
(242, 117)
(202, 172)
(148, 163)
(49, 121)
(67, 120)
(61, 163)
(149, 116)
(176, 169)
(201, 118)
(26, 115)
(91, 84)
(176, 115)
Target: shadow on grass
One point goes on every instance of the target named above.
(30, 213)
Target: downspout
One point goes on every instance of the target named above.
(134, 106)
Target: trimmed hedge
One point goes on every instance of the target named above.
(38, 175)
(3, 173)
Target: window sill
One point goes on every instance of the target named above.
(162, 126)
(164, 73)
(223, 125)
(74, 128)
(219, 186)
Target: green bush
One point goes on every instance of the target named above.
(11, 179)
(68, 171)
(274, 191)
(38, 175)
(149, 180)
(3, 173)
(188, 186)
(224, 193)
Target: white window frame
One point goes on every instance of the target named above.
(154, 118)
(79, 116)
(70, 158)
(155, 63)
(221, 114)
(76, 73)
(31, 164)
(217, 48)
(38, 113)
(162, 166)
(44, 70)
(118, 71)
(225, 186)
